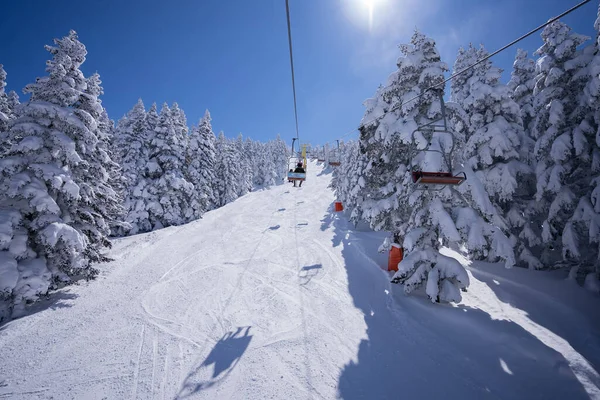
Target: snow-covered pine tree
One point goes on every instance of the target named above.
(115, 173)
(195, 199)
(526, 223)
(584, 211)
(244, 163)
(201, 164)
(521, 84)
(253, 153)
(101, 204)
(498, 180)
(171, 194)
(13, 102)
(563, 132)
(349, 182)
(132, 143)
(341, 173)
(8, 108)
(266, 165)
(180, 124)
(258, 156)
(280, 156)
(206, 156)
(338, 175)
(422, 218)
(226, 172)
(50, 235)
(4, 108)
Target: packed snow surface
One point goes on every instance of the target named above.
(275, 296)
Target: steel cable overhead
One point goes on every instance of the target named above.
(289, 26)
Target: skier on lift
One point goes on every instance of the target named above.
(299, 169)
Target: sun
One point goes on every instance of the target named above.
(364, 13)
(370, 6)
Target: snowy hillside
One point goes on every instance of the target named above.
(275, 296)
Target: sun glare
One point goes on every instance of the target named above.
(370, 6)
(365, 11)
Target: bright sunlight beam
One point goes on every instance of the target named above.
(364, 12)
(370, 5)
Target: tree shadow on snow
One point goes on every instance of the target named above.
(223, 358)
(327, 219)
(416, 349)
(325, 171)
(52, 301)
(547, 310)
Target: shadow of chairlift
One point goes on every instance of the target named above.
(307, 273)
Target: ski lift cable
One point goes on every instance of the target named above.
(398, 105)
(287, 10)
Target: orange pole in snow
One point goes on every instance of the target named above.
(338, 206)
(396, 255)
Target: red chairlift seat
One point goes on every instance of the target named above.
(437, 178)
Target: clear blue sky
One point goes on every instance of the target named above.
(231, 56)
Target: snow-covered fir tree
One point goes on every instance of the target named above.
(245, 167)
(101, 182)
(54, 220)
(8, 107)
(171, 194)
(584, 212)
(179, 121)
(227, 171)
(206, 156)
(266, 172)
(201, 163)
(521, 85)
(280, 156)
(348, 181)
(564, 134)
(422, 220)
(132, 143)
(498, 180)
(5, 111)
(525, 223)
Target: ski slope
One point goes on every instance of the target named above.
(275, 296)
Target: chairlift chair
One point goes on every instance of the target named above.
(431, 180)
(321, 157)
(335, 161)
(293, 161)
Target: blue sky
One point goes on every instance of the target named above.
(231, 56)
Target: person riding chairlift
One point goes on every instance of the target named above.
(299, 169)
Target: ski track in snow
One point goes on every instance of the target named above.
(275, 296)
